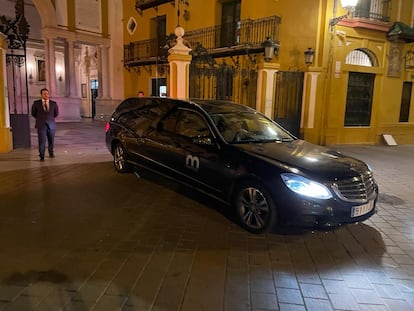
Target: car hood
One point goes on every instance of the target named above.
(310, 159)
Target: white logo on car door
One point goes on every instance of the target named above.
(192, 161)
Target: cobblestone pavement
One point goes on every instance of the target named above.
(75, 235)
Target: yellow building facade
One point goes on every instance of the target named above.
(357, 88)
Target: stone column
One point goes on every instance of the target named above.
(265, 96)
(179, 60)
(6, 138)
(50, 60)
(99, 66)
(70, 74)
(103, 72)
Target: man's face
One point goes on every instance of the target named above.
(45, 95)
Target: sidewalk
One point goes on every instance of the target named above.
(75, 142)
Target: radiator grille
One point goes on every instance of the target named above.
(357, 189)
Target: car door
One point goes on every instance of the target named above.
(161, 147)
(142, 123)
(201, 159)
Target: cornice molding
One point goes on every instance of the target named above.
(79, 37)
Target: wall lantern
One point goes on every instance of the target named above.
(349, 5)
(270, 48)
(309, 55)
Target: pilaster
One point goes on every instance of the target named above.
(179, 60)
(311, 125)
(266, 87)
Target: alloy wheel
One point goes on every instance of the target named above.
(255, 209)
(120, 160)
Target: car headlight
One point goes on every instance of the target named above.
(306, 187)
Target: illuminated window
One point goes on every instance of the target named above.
(361, 57)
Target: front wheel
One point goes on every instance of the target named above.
(120, 162)
(255, 208)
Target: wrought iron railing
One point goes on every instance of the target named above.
(244, 34)
(377, 10)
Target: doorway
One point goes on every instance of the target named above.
(288, 100)
(159, 87)
(94, 95)
(230, 23)
(359, 99)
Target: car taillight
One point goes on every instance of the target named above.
(107, 126)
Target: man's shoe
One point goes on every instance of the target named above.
(51, 155)
(42, 159)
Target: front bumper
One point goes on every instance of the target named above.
(303, 212)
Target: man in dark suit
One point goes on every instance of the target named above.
(45, 111)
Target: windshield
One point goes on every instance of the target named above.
(245, 127)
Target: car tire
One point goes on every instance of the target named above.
(120, 162)
(255, 208)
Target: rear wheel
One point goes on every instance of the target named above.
(255, 208)
(120, 163)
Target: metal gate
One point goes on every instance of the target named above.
(18, 99)
(16, 32)
(233, 79)
(288, 100)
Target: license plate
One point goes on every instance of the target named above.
(362, 209)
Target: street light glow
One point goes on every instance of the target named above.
(348, 4)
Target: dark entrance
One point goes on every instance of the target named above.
(159, 87)
(94, 95)
(288, 100)
(359, 99)
(230, 23)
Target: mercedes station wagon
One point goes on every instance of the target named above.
(229, 151)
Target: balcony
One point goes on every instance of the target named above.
(141, 5)
(223, 40)
(401, 32)
(371, 14)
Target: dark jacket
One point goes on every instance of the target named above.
(43, 117)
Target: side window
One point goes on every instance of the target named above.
(170, 122)
(191, 124)
(126, 119)
(143, 117)
(129, 104)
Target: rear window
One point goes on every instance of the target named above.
(130, 104)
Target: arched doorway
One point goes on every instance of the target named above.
(360, 89)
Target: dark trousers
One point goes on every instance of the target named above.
(43, 133)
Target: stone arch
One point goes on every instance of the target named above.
(47, 13)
